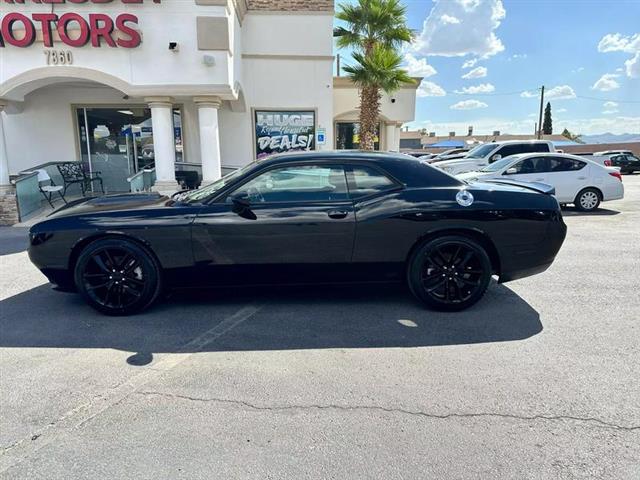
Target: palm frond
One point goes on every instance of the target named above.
(380, 69)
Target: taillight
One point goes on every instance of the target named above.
(607, 163)
(616, 174)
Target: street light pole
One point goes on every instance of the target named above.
(540, 116)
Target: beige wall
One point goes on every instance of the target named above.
(601, 147)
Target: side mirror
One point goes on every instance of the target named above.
(241, 201)
(511, 171)
(242, 206)
(496, 157)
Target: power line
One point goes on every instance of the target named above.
(520, 92)
(607, 99)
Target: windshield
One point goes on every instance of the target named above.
(205, 192)
(481, 150)
(497, 166)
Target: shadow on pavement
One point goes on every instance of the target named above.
(574, 212)
(13, 240)
(300, 318)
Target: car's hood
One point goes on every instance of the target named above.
(110, 203)
(454, 156)
(457, 161)
(467, 176)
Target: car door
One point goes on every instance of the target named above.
(529, 169)
(568, 176)
(287, 224)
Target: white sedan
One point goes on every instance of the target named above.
(577, 180)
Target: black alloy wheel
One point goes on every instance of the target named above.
(117, 277)
(450, 273)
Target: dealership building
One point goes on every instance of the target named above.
(173, 86)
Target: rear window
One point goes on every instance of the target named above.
(365, 181)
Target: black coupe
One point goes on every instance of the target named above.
(300, 218)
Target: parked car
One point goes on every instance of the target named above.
(626, 162)
(448, 155)
(304, 218)
(487, 153)
(416, 153)
(614, 152)
(576, 180)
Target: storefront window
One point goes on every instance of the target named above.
(118, 142)
(348, 136)
(284, 131)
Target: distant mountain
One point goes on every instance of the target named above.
(611, 138)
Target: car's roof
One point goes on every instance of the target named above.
(522, 156)
(509, 142)
(407, 169)
(338, 155)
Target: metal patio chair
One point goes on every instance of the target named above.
(48, 187)
(72, 173)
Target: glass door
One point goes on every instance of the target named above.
(118, 142)
(348, 136)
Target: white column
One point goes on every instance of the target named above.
(209, 138)
(390, 133)
(396, 146)
(5, 184)
(164, 147)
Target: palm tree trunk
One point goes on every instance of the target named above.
(369, 113)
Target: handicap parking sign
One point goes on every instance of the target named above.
(321, 136)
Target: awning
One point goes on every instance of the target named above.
(448, 144)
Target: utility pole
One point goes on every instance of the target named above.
(540, 116)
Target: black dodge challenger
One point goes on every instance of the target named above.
(318, 217)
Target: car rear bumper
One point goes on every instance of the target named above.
(613, 192)
(538, 257)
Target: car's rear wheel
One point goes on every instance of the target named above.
(587, 200)
(449, 273)
(117, 276)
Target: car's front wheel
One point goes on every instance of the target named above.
(449, 273)
(117, 276)
(587, 200)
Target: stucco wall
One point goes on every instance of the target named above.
(45, 130)
(149, 64)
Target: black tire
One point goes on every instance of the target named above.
(449, 273)
(588, 200)
(117, 276)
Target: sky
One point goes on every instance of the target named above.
(483, 62)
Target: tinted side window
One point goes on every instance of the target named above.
(367, 181)
(531, 165)
(558, 164)
(296, 184)
(509, 150)
(539, 147)
(523, 148)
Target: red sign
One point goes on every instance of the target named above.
(99, 29)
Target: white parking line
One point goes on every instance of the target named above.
(73, 419)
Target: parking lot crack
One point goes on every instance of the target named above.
(445, 416)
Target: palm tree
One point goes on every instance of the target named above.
(576, 138)
(375, 30)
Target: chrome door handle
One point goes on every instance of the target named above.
(337, 214)
(539, 179)
(582, 178)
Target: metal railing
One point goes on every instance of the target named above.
(28, 196)
(143, 180)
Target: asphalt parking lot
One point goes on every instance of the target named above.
(540, 380)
